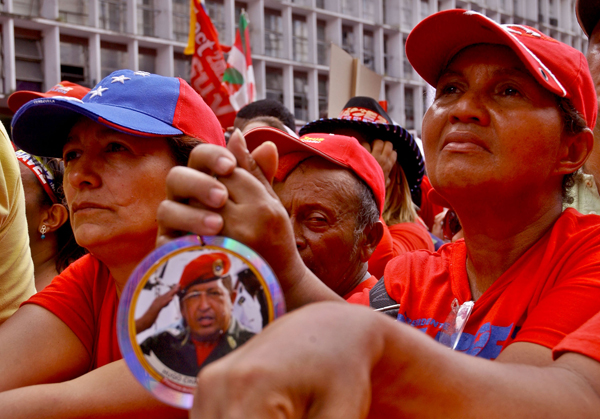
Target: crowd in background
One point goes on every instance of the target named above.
(486, 240)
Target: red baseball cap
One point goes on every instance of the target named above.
(339, 149)
(64, 88)
(205, 268)
(558, 67)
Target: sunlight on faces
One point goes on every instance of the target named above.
(492, 127)
(113, 184)
(207, 308)
(322, 202)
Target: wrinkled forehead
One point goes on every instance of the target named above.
(205, 286)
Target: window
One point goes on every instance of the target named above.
(2, 88)
(369, 50)
(273, 33)
(323, 87)
(424, 8)
(28, 60)
(391, 12)
(274, 81)
(409, 108)
(322, 44)
(113, 15)
(408, 70)
(182, 65)
(320, 4)
(301, 96)
(147, 59)
(216, 12)
(113, 57)
(74, 59)
(369, 10)
(349, 7)
(26, 7)
(407, 16)
(181, 20)
(300, 38)
(73, 11)
(145, 17)
(348, 39)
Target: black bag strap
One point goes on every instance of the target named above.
(379, 299)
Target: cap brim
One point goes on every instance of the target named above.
(18, 99)
(438, 38)
(409, 156)
(588, 15)
(284, 142)
(41, 126)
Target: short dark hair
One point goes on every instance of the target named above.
(181, 147)
(368, 213)
(268, 107)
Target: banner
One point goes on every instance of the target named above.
(239, 74)
(208, 64)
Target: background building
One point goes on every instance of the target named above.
(45, 41)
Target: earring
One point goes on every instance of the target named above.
(43, 231)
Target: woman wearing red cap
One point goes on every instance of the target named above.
(118, 144)
(510, 123)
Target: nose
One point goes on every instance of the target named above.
(470, 107)
(299, 237)
(203, 304)
(83, 172)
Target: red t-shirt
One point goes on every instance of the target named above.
(410, 236)
(428, 209)
(396, 240)
(364, 286)
(584, 341)
(84, 297)
(546, 294)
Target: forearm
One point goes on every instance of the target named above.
(418, 377)
(110, 391)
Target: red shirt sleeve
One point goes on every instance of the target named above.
(384, 252)
(584, 341)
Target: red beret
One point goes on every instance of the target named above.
(205, 268)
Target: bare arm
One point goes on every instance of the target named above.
(109, 391)
(240, 204)
(301, 366)
(37, 347)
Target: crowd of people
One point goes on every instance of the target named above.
(487, 242)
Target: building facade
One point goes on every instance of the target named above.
(45, 41)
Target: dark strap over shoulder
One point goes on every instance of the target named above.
(379, 299)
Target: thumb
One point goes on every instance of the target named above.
(262, 163)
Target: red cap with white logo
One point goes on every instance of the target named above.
(339, 149)
(556, 66)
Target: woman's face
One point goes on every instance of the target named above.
(113, 184)
(491, 127)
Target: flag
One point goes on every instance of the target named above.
(208, 64)
(239, 74)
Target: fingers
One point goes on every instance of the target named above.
(212, 159)
(366, 145)
(184, 183)
(267, 158)
(175, 218)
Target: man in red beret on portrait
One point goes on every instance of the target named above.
(206, 299)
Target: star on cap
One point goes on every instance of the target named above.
(120, 78)
(98, 91)
(141, 73)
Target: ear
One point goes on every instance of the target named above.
(371, 237)
(574, 151)
(54, 217)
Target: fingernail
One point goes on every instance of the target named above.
(224, 165)
(213, 222)
(216, 196)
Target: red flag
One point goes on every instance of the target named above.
(208, 66)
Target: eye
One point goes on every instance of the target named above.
(316, 219)
(446, 89)
(214, 293)
(116, 147)
(69, 155)
(510, 91)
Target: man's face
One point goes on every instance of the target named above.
(491, 128)
(206, 308)
(321, 200)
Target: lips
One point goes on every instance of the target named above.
(464, 142)
(205, 321)
(79, 206)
